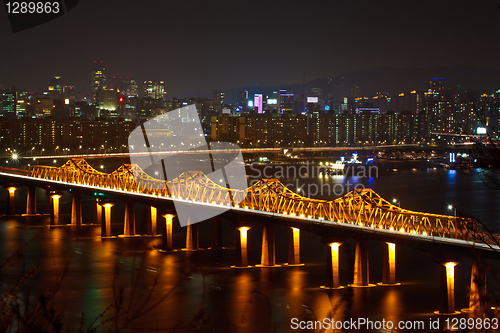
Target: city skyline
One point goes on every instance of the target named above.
(216, 46)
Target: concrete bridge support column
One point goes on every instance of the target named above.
(54, 208)
(107, 219)
(152, 222)
(31, 201)
(192, 241)
(76, 209)
(361, 269)
(267, 258)
(477, 293)
(242, 247)
(12, 201)
(98, 214)
(448, 289)
(167, 241)
(332, 267)
(294, 247)
(389, 269)
(242, 244)
(129, 219)
(216, 239)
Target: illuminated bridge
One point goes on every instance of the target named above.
(360, 214)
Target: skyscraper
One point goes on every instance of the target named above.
(107, 99)
(257, 102)
(285, 102)
(126, 86)
(98, 78)
(154, 90)
(243, 98)
(219, 97)
(55, 85)
(8, 103)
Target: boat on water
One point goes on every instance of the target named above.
(354, 160)
(340, 166)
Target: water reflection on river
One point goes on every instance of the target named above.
(198, 290)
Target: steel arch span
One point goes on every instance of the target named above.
(363, 207)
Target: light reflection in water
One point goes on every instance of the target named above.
(391, 307)
(241, 301)
(296, 293)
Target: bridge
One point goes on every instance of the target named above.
(361, 214)
(218, 151)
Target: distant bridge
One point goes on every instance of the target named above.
(229, 151)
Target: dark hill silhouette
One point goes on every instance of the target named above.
(391, 80)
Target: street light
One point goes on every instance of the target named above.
(450, 207)
(396, 202)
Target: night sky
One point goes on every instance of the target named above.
(198, 46)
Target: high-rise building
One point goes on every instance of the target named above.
(439, 84)
(107, 100)
(243, 98)
(285, 102)
(257, 102)
(154, 90)
(219, 97)
(8, 103)
(404, 102)
(44, 107)
(55, 85)
(126, 86)
(98, 78)
(312, 105)
(69, 92)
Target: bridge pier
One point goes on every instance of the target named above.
(98, 214)
(294, 247)
(152, 221)
(389, 269)
(448, 289)
(332, 266)
(242, 249)
(167, 241)
(361, 269)
(477, 292)
(267, 258)
(54, 207)
(12, 202)
(31, 201)
(192, 240)
(216, 239)
(242, 244)
(107, 219)
(76, 208)
(129, 219)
